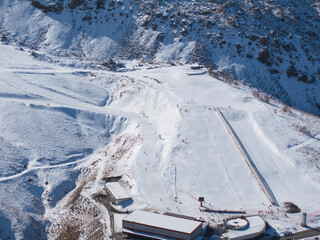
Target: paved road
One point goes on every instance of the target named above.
(312, 232)
(105, 200)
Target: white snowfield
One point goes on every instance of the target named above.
(159, 126)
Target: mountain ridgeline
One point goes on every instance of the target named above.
(271, 45)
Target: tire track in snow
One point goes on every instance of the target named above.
(225, 169)
(312, 139)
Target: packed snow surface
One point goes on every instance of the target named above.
(64, 130)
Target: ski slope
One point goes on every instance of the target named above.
(212, 159)
(214, 163)
(63, 130)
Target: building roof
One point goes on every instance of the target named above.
(179, 215)
(163, 221)
(117, 190)
(256, 227)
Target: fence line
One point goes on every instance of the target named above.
(261, 181)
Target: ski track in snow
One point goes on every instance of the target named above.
(313, 139)
(39, 168)
(59, 99)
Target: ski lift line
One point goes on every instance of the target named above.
(190, 195)
(259, 178)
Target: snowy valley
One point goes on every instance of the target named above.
(82, 103)
(64, 130)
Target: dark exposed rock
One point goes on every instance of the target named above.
(288, 47)
(36, 4)
(292, 71)
(209, 24)
(87, 19)
(210, 66)
(160, 37)
(279, 59)
(249, 55)
(75, 3)
(184, 31)
(276, 42)
(273, 71)
(290, 207)
(253, 37)
(304, 78)
(100, 4)
(311, 33)
(264, 56)
(4, 39)
(112, 65)
(264, 40)
(220, 35)
(56, 8)
(154, 26)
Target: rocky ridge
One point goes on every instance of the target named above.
(270, 45)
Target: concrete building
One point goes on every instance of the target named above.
(251, 228)
(117, 192)
(161, 225)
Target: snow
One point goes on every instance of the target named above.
(163, 221)
(118, 191)
(63, 130)
(179, 32)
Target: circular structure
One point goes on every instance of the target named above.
(237, 223)
(234, 115)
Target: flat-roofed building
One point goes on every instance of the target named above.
(117, 192)
(256, 227)
(162, 225)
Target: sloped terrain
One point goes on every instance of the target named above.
(47, 130)
(270, 45)
(65, 130)
(93, 89)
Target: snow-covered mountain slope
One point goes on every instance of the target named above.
(47, 129)
(64, 130)
(271, 45)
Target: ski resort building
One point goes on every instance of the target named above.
(250, 228)
(152, 225)
(117, 192)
